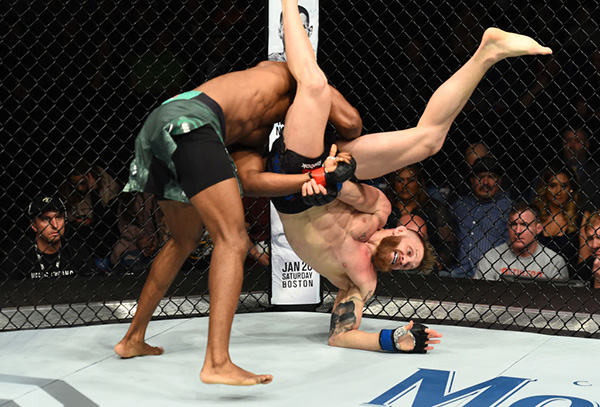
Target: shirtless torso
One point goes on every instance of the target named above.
(337, 239)
(250, 111)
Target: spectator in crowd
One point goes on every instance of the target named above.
(415, 223)
(258, 221)
(585, 251)
(475, 151)
(481, 216)
(48, 254)
(576, 153)
(141, 234)
(92, 206)
(408, 196)
(457, 185)
(557, 198)
(522, 256)
(589, 269)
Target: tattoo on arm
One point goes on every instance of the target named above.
(343, 317)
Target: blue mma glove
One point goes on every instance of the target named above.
(388, 339)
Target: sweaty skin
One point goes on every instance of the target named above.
(251, 110)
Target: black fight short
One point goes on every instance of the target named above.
(200, 161)
(283, 161)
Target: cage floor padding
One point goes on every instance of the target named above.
(471, 367)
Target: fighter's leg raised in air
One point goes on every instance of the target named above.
(221, 211)
(381, 153)
(306, 118)
(186, 231)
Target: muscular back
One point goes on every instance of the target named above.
(333, 239)
(252, 100)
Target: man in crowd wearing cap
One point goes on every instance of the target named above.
(48, 254)
(481, 216)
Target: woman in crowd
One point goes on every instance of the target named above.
(557, 197)
(408, 195)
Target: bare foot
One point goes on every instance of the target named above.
(232, 375)
(127, 349)
(497, 45)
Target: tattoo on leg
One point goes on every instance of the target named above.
(343, 318)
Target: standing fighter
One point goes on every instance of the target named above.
(342, 240)
(181, 158)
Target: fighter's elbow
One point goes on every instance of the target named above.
(251, 188)
(436, 147)
(335, 340)
(351, 125)
(432, 140)
(437, 141)
(252, 193)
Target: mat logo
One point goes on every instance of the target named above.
(433, 388)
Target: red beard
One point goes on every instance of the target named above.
(383, 254)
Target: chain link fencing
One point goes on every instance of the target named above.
(80, 77)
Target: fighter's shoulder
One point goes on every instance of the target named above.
(273, 67)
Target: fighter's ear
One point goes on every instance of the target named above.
(399, 230)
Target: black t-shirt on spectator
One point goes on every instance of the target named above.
(26, 261)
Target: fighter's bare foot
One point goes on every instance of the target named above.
(232, 375)
(127, 349)
(497, 45)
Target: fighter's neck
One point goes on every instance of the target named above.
(375, 239)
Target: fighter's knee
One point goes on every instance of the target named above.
(235, 242)
(314, 82)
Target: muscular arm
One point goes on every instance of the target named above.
(344, 117)
(345, 321)
(366, 199)
(257, 182)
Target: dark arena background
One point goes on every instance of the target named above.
(78, 79)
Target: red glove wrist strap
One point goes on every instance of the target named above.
(318, 175)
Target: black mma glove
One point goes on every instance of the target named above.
(388, 339)
(332, 181)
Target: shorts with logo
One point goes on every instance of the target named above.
(283, 161)
(180, 150)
